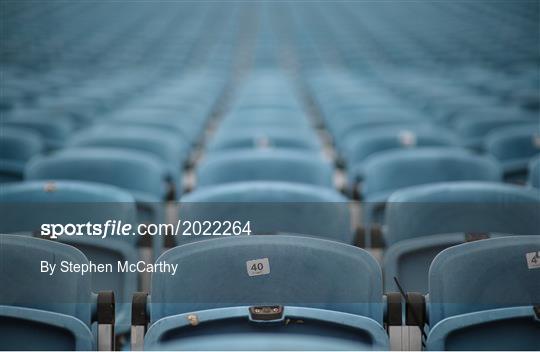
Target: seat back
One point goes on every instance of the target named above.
(482, 275)
(277, 138)
(513, 143)
(136, 172)
(264, 165)
(19, 144)
(534, 173)
(28, 205)
(474, 129)
(271, 207)
(264, 117)
(381, 139)
(268, 270)
(425, 165)
(166, 146)
(470, 207)
(53, 131)
(24, 285)
(350, 130)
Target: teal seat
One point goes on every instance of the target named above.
(46, 312)
(54, 132)
(17, 146)
(379, 139)
(264, 165)
(166, 147)
(26, 206)
(207, 305)
(474, 129)
(271, 207)
(484, 295)
(262, 140)
(139, 173)
(514, 147)
(416, 167)
(421, 221)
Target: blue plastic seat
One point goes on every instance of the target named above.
(27, 206)
(137, 172)
(302, 134)
(423, 220)
(215, 299)
(346, 142)
(264, 165)
(262, 139)
(164, 124)
(514, 147)
(421, 166)
(345, 134)
(482, 296)
(271, 102)
(451, 109)
(534, 173)
(167, 148)
(231, 123)
(379, 139)
(474, 129)
(17, 146)
(166, 107)
(271, 207)
(54, 132)
(417, 167)
(265, 116)
(40, 311)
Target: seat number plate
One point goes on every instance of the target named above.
(533, 260)
(258, 267)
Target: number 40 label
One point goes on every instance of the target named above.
(258, 267)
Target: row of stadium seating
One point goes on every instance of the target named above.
(391, 179)
(213, 289)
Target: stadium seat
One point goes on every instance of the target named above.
(262, 139)
(416, 167)
(451, 109)
(484, 296)
(54, 132)
(164, 146)
(27, 206)
(423, 220)
(215, 303)
(54, 312)
(186, 129)
(514, 147)
(347, 133)
(423, 165)
(474, 129)
(264, 165)
(17, 146)
(264, 117)
(375, 140)
(271, 207)
(346, 143)
(137, 172)
(224, 136)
